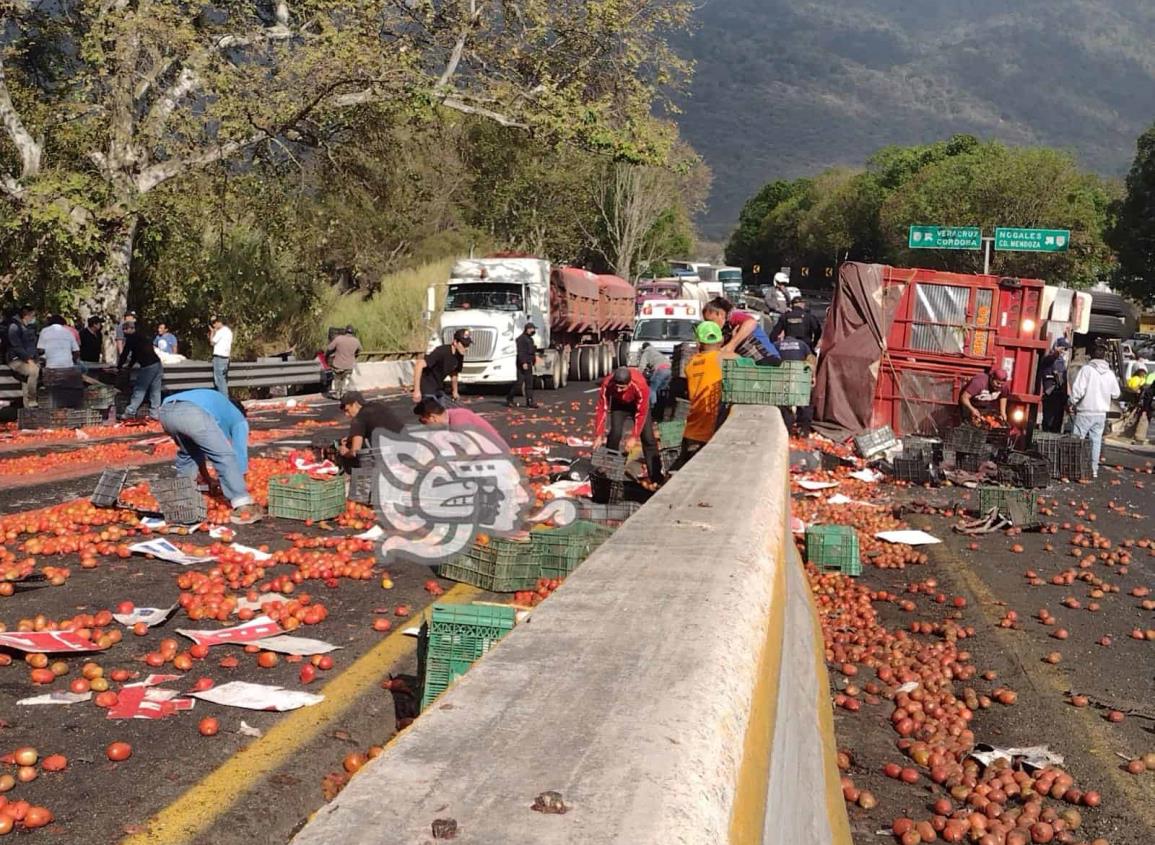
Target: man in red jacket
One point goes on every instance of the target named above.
(625, 396)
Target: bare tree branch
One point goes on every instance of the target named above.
(187, 80)
(162, 171)
(30, 151)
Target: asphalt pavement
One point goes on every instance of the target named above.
(235, 787)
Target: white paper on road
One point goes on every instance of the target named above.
(578, 443)
(564, 489)
(839, 499)
(811, 484)
(288, 644)
(154, 523)
(258, 696)
(412, 632)
(374, 533)
(909, 538)
(868, 475)
(150, 616)
(1035, 756)
(249, 550)
(164, 550)
(58, 697)
(222, 532)
(256, 629)
(248, 730)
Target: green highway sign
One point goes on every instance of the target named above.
(1032, 240)
(946, 237)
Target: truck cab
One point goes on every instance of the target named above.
(664, 324)
(731, 281)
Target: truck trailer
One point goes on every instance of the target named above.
(583, 319)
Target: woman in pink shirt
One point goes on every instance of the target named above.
(431, 412)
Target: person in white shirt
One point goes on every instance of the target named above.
(221, 337)
(61, 373)
(1090, 397)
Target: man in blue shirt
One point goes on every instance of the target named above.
(165, 340)
(798, 420)
(210, 428)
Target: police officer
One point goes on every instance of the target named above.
(799, 324)
(794, 349)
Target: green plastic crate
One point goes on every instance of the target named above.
(744, 383)
(297, 496)
(500, 566)
(1020, 505)
(670, 433)
(456, 636)
(562, 550)
(834, 547)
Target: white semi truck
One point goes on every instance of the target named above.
(583, 320)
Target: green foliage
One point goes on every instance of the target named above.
(842, 214)
(1132, 233)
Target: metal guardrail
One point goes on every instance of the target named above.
(384, 355)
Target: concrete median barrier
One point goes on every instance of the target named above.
(672, 691)
(381, 375)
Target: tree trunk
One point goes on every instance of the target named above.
(109, 295)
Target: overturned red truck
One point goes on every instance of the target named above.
(900, 344)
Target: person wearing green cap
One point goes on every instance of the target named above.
(704, 389)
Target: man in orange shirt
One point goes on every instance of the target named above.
(704, 387)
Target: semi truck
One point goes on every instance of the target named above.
(670, 288)
(583, 319)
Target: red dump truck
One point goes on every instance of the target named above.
(583, 320)
(900, 344)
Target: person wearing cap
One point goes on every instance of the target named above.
(1091, 394)
(365, 418)
(221, 337)
(799, 324)
(526, 359)
(343, 351)
(431, 370)
(624, 397)
(129, 317)
(797, 417)
(1053, 384)
(209, 428)
(431, 412)
(985, 392)
(704, 390)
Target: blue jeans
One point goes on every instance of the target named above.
(148, 383)
(199, 438)
(221, 374)
(659, 381)
(1091, 426)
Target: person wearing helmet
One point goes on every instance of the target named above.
(704, 389)
(984, 393)
(778, 298)
(624, 397)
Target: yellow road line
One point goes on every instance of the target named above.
(1099, 739)
(203, 804)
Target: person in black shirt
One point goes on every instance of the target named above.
(92, 341)
(802, 416)
(366, 417)
(799, 324)
(139, 350)
(430, 371)
(526, 358)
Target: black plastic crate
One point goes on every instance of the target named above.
(179, 500)
(967, 438)
(606, 491)
(870, 443)
(324, 446)
(1029, 469)
(363, 485)
(609, 463)
(929, 448)
(39, 418)
(107, 492)
(916, 470)
(607, 514)
(965, 461)
(1069, 457)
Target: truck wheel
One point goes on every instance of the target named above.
(623, 354)
(585, 364)
(606, 351)
(1108, 303)
(573, 363)
(1106, 326)
(563, 368)
(596, 363)
(552, 380)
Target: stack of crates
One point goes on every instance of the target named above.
(1069, 457)
(608, 477)
(916, 469)
(1020, 506)
(874, 442)
(562, 550)
(301, 497)
(745, 383)
(968, 445)
(929, 448)
(605, 514)
(107, 492)
(363, 480)
(456, 637)
(1025, 469)
(496, 564)
(670, 441)
(834, 547)
(37, 418)
(179, 500)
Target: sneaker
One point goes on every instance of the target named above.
(247, 515)
(509, 403)
(532, 405)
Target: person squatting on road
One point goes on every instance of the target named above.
(983, 394)
(797, 418)
(526, 359)
(655, 366)
(365, 418)
(624, 397)
(138, 349)
(430, 412)
(1053, 384)
(343, 351)
(446, 361)
(743, 332)
(1091, 394)
(209, 428)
